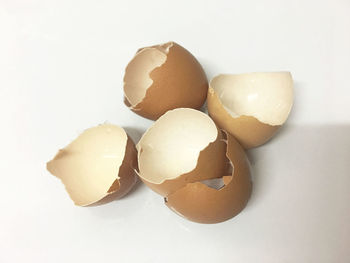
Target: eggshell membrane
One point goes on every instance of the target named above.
(251, 106)
(199, 203)
(178, 148)
(98, 166)
(177, 82)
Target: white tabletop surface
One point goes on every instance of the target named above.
(61, 70)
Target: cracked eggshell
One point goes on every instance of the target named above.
(199, 203)
(164, 77)
(251, 106)
(98, 166)
(182, 146)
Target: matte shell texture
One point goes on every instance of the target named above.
(127, 175)
(98, 166)
(258, 108)
(188, 140)
(249, 131)
(212, 163)
(184, 145)
(178, 82)
(200, 203)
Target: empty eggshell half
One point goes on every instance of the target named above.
(164, 77)
(251, 106)
(200, 203)
(98, 166)
(177, 148)
(184, 149)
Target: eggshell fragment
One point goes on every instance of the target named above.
(98, 166)
(178, 148)
(200, 203)
(178, 157)
(251, 106)
(164, 77)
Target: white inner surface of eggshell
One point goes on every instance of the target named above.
(171, 147)
(265, 96)
(137, 74)
(90, 164)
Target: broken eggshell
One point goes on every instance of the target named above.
(251, 106)
(177, 148)
(184, 148)
(164, 77)
(98, 166)
(200, 203)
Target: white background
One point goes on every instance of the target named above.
(61, 70)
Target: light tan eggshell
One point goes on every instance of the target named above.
(98, 166)
(127, 175)
(179, 82)
(248, 130)
(200, 203)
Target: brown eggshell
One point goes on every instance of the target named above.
(249, 131)
(179, 82)
(212, 163)
(271, 92)
(200, 203)
(98, 166)
(184, 145)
